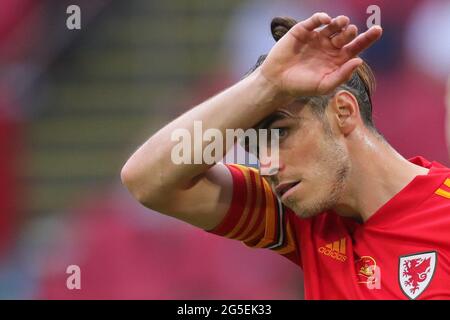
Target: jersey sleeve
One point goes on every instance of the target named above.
(256, 216)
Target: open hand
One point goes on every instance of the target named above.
(308, 61)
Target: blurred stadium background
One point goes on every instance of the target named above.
(74, 104)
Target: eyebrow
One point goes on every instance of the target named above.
(268, 121)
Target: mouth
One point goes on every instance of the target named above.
(284, 188)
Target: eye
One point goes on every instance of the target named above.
(282, 132)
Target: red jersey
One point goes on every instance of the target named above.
(401, 252)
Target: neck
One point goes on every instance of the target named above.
(378, 172)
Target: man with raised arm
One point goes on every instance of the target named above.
(359, 219)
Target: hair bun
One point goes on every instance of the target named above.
(280, 26)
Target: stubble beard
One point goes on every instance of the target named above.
(329, 199)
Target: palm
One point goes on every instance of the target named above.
(310, 62)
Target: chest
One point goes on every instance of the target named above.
(377, 263)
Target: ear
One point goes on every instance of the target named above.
(345, 111)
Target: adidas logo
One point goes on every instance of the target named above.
(335, 250)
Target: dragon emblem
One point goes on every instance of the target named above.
(416, 272)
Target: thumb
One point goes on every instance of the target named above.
(340, 76)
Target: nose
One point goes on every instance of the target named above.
(270, 171)
(268, 154)
(269, 165)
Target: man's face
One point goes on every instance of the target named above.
(313, 162)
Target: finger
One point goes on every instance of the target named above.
(340, 76)
(336, 25)
(363, 41)
(346, 36)
(315, 21)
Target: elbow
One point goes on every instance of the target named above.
(131, 179)
(126, 175)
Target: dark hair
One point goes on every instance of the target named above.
(361, 84)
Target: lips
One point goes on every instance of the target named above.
(282, 188)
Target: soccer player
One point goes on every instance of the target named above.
(359, 219)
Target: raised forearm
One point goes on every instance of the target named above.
(150, 170)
